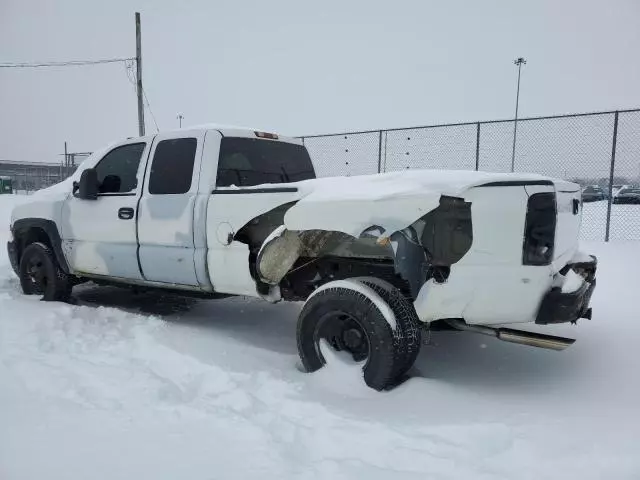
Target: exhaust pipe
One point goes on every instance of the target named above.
(539, 340)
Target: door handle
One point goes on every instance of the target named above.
(125, 213)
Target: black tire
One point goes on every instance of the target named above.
(40, 274)
(323, 311)
(408, 334)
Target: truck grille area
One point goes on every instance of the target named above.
(540, 228)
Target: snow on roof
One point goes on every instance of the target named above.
(220, 126)
(381, 186)
(228, 130)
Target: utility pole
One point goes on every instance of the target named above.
(519, 62)
(180, 117)
(139, 76)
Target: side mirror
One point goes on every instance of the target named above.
(87, 188)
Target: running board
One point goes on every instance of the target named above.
(515, 336)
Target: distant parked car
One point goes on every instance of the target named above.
(593, 193)
(628, 195)
(616, 188)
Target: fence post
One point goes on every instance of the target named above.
(302, 140)
(379, 151)
(478, 146)
(613, 166)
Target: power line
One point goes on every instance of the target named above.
(131, 75)
(70, 63)
(129, 66)
(144, 93)
(128, 62)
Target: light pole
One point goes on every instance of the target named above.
(180, 117)
(519, 61)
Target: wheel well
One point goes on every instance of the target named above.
(309, 273)
(29, 230)
(32, 235)
(301, 261)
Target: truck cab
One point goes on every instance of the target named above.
(137, 212)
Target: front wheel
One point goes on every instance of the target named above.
(40, 274)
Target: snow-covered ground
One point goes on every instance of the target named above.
(131, 387)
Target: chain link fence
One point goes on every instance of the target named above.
(27, 178)
(600, 150)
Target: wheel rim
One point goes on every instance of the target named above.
(343, 332)
(37, 275)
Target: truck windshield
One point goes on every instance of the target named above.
(246, 162)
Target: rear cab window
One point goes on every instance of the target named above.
(246, 162)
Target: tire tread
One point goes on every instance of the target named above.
(61, 289)
(379, 369)
(408, 333)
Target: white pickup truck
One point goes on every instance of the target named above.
(376, 259)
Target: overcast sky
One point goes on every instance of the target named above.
(301, 67)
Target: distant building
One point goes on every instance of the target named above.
(31, 176)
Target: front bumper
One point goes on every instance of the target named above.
(559, 307)
(12, 251)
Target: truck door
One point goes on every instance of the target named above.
(166, 213)
(99, 236)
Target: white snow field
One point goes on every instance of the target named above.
(125, 386)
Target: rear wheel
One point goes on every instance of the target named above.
(350, 317)
(41, 275)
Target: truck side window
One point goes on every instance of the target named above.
(118, 169)
(246, 162)
(172, 167)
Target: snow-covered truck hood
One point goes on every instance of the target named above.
(390, 200)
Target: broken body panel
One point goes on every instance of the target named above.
(478, 244)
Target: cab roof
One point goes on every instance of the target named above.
(229, 131)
